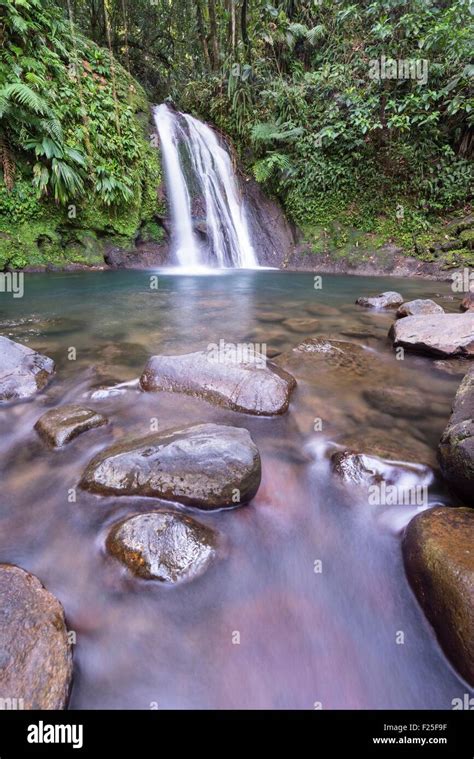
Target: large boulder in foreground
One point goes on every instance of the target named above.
(35, 655)
(23, 372)
(438, 549)
(442, 335)
(209, 466)
(418, 307)
(456, 448)
(59, 426)
(253, 387)
(384, 300)
(163, 545)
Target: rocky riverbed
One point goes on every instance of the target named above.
(214, 473)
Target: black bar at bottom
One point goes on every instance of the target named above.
(347, 733)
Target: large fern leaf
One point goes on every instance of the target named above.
(266, 132)
(23, 95)
(316, 33)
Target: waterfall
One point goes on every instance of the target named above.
(209, 225)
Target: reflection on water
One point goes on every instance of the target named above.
(306, 636)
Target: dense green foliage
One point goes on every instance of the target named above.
(323, 132)
(294, 85)
(357, 115)
(72, 149)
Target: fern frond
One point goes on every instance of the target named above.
(262, 170)
(23, 95)
(266, 132)
(274, 162)
(316, 33)
(53, 128)
(298, 30)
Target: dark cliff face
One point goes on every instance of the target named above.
(273, 237)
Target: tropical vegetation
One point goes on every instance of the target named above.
(357, 115)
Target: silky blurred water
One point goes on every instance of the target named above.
(307, 637)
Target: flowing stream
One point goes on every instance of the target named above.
(209, 225)
(330, 637)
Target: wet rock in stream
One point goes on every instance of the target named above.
(254, 386)
(35, 655)
(59, 426)
(418, 307)
(383, 444)
(357, 468)
(467, 303)
(23, 372)
(397, 401)
(453, 366)
(438, 550)
(384, 300)
(163, 545)
(456, 448)
(322, 353)
(301, 326)
(441, 335)
(321, 309)
(209, 466)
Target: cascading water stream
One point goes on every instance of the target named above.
(199, 175)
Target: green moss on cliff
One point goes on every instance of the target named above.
(84, 174)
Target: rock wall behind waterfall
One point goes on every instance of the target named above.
(273, 236)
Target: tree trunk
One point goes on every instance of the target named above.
(214, 44)
(233, 25)
(202, 34)
(245, 34)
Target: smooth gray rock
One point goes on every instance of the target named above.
(209, 466)
(253, 387)
(35, 652)
(59, 426)
(163, 545)
(388, 299)
(441, 335)
(418, 307)
(23, 372)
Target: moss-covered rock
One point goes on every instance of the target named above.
(467, 238)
